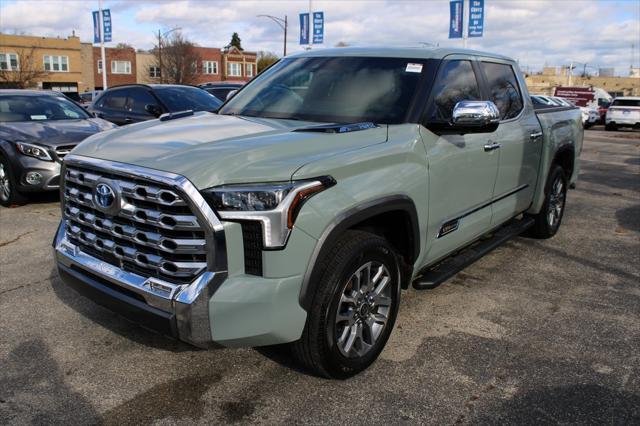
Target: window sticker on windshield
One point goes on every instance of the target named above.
(413, 67)
(38, 117)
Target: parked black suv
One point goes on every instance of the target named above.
(139, 102)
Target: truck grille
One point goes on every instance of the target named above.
(154, 234)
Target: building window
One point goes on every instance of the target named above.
(9, 62)
(154, 72)
(234, 69)
(99, 66)
(56, 63)
(248, 70)
(209, 67)
(120, 67)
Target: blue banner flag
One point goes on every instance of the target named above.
(455, 19)
(304, 28)
(476, 18)
(318, 27)
(106, 20)
(96, 27)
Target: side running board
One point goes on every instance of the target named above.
(439, 273)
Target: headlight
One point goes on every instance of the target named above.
(33, 151)
(275, 205)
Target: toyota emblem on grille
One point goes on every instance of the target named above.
(106, 196)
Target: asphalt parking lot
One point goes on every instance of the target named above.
(536, 332)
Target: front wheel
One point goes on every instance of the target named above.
(610, 127)
(548, 220)
(9, 195)
(354, 308)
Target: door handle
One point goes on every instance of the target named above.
(128, 120)
(534, 136)
(491, 146)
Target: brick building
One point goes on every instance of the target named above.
(121, 66)
(239, 65)
(209, 65)
(59, 59)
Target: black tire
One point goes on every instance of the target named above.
(319, 349)
(610, 127)
(545, 226)
(7, 178)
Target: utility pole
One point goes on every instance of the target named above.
(160, 56)
(282, 23)
(104, 61)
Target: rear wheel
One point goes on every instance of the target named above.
(8, 194)
(354, 308)
(548, 220)
(610, 127)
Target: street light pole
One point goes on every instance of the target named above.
(282, 23)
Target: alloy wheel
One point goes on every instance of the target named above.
(363, 310)
(5, 186)
(556, 202)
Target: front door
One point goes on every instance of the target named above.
(520, 138)
(462, 171)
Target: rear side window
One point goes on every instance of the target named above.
(115, 100)
(456, 82)
(503, 89)
(626, 103)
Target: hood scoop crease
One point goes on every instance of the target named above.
(338, 128)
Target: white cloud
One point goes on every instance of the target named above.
(536, 32)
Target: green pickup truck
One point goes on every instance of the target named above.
(328, 184)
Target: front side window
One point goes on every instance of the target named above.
(456, 82)
(9, 62)
(234, 69)
(210, 67)
(503, 89)
(56, 63)
(334, 90)
(14, 108)
(120, 67)
(138, 99)
(248, 70)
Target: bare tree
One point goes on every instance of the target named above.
(28, 71)
(265, 59)
(177, 59)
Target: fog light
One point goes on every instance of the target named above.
(33, 178)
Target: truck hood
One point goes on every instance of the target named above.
(212, 149)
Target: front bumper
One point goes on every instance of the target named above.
(179, 311)
(49, 170)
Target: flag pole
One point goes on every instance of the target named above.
(104, 62)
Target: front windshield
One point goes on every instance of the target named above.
(187, 98)
(14, 108)
(332, 89)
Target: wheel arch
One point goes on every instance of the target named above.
(393, 217)
(565, 158)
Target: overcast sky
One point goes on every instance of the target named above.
(536, 32)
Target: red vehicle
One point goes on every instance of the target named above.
(587, 97)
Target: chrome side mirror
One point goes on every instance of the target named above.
(475, 114)
(231, 94)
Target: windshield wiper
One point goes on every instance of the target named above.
(339, 128)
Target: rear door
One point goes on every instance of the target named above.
(112, 106)
(462, 171)
(520, 137)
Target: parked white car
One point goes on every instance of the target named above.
(623, 112)
(590, 116)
